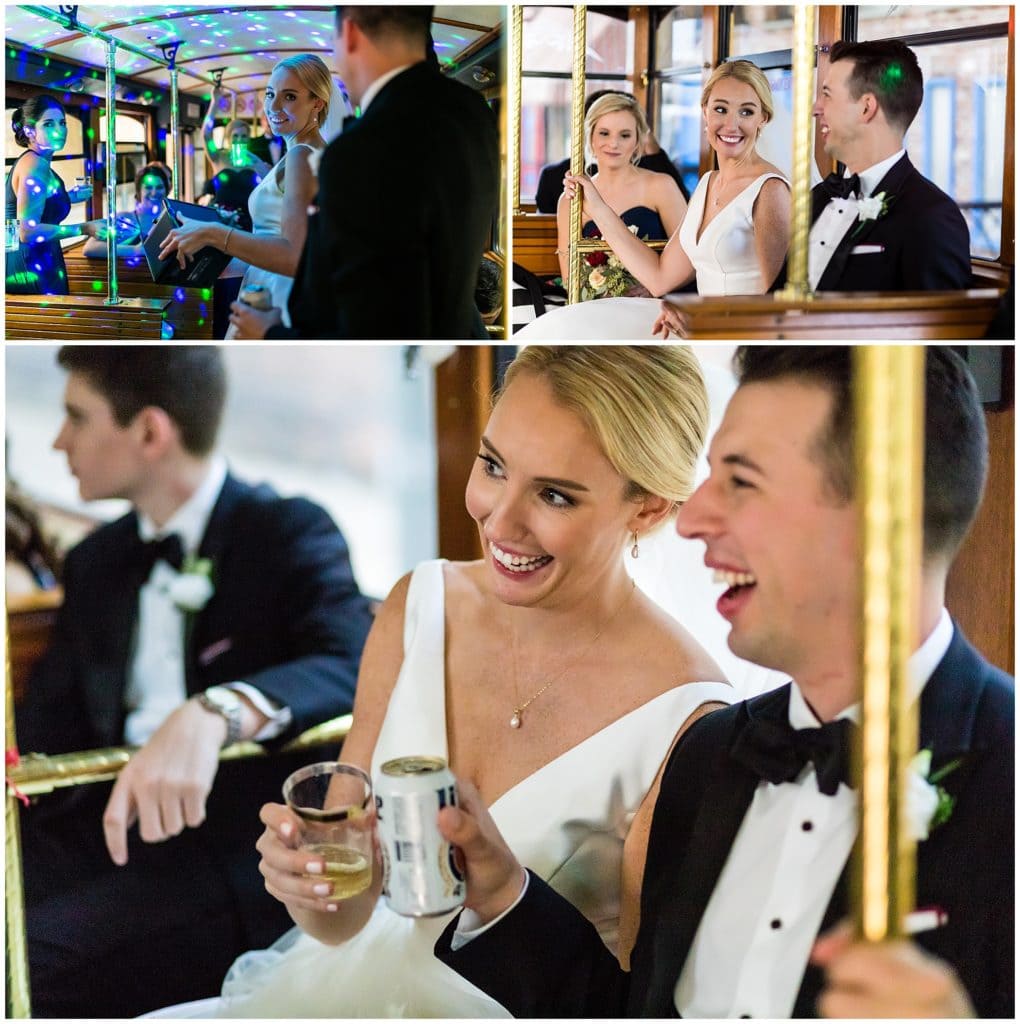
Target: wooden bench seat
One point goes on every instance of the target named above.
(84, 317)
(190, 310)
(535, 243)
(842, 316)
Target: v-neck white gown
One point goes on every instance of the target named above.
(724, 261)
(567, 822)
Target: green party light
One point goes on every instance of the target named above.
(206, 293)
(90, 132)
(892, 76)
(97, 286)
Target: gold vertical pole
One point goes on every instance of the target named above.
(18, 998)
(797, 285)
(889, 445)
(577, 149)
(517, 67)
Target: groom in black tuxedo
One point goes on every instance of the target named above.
(884, 227)
(213, 611)
(407, 196)
(754, 820)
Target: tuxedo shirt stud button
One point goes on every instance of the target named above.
(806, 826)
(775, 924)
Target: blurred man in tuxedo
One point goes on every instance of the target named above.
(214, 611)
(407, 196)
(754, 820)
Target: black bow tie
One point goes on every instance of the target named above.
(777, 752)
(842, 188)
(168, 549)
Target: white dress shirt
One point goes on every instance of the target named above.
(374, 89)
(155, 674)
(838, 218)
(752, 946)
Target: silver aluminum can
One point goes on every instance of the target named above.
(257, 296)
(420, 878)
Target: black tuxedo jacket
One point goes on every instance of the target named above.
(286, 617)
(407, 196)
(923, 240)
(544, 959)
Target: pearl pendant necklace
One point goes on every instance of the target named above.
(516, 719)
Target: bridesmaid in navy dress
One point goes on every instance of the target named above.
(650, 204)
(37, 198)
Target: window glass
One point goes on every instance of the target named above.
(545, 124)
(887, 21)
(761, 28)
(344, 426)
(678, 39)
(548, 41)
(679, 124)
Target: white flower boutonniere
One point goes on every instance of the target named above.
(928, 804)
(193, 586)
(871, 208)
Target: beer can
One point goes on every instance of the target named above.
(420, 878)
(257, 296)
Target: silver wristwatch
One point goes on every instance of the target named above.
(225, 702)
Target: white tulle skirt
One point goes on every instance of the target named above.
(387, 970)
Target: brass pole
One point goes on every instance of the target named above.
(173, 147)
(113, 294)
(888, 442)
(797, 283)
(517, 58)
(577, 150)
(18, 1003)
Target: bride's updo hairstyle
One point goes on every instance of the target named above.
(315, 77)
(612, 103)
(28, 115)
(748, 73)
(646, 405)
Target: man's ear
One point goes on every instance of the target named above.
(156, 431)
(869, 107)
(652, 511)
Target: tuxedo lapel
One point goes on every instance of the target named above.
(721, 810)
(113, 634)
(215, 547)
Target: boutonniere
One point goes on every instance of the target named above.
(871, 208)
(193, 586)
(928, 804)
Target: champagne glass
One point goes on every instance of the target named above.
(334, 802)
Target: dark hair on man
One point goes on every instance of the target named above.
(956, 438)
(188, 382)
(888, 69)
(378, 23)
(29, 113)
(154, 167)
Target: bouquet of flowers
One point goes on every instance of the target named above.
(608, 277)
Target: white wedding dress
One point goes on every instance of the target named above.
(724, 261)
(265, 204)
(567, 822)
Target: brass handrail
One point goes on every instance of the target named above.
(37, 774)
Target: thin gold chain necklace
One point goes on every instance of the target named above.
(516, 720)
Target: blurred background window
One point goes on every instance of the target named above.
(344, 425)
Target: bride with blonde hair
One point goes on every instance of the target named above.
(305, 106)
(733, 238)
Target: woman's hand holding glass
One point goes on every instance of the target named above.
(320, 848)
(80, 193)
